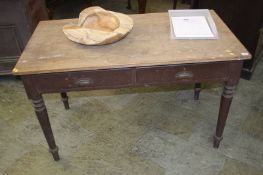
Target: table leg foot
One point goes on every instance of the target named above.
(217, 141)
(64, 98)
(54, 153)
(225, 103)
(197, 91)
(42, 115)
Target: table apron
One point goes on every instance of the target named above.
(127, 77)
(188, 73)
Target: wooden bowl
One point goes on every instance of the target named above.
(97, 26)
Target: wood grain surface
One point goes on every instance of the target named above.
(147, 44)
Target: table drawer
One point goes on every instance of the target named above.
(83, 80)
(183, 73)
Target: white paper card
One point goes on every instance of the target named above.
(191, 26)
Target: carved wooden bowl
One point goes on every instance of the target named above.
(97, 26)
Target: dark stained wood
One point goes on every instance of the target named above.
(81, 80)
(42, 115)
(203, 63)
(43, 119)
(234, 73)
(63, 82)
(197, 90)
(64, 98)
(225, 103)
(183, 73)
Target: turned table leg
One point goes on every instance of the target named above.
(43, 119)
(64, 99)
(197, 90)
(225, 103)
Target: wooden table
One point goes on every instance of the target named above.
(146, 57)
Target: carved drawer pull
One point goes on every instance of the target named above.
(84, 82)
(184, 74)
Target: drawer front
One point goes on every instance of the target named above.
(98, 79)
(183, 73)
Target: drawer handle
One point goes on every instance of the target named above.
(184, 74)
(84, 82)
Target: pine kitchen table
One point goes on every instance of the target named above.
(51, 63)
